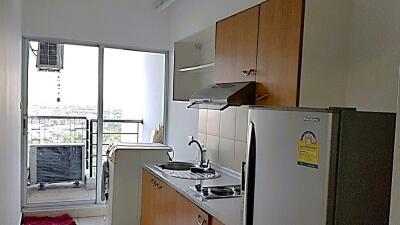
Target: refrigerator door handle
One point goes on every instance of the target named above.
(250, 176)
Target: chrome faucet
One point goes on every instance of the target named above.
(202, 151)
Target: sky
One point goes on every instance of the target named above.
(124, 80)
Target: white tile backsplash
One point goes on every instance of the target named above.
(227, 152)
(202, 138)
(225, 135)
(212, 147)
(240, 154)
(213, 122)
(203, 120)
(228, 123)
(241, 123)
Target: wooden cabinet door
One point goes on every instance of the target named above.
(148, 194)
(216, 222)
(158, 202)
(189, 214)
(164, 206)
(236, 46)
(279, 51)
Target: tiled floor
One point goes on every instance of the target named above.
(57, 193)
(90, 221)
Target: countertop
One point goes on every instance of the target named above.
(229, 210)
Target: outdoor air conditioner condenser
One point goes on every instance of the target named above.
(50, 57)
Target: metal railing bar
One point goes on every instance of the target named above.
(58, 117)
(119, 121)
(121, 133)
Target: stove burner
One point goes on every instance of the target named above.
(222, 191)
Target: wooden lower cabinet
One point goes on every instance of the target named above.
(216, 222)
(162, 205)
(158, 202)
(189, 214)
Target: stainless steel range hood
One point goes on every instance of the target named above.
(220, 96)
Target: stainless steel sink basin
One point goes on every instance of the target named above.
(177, 166)
(182, 170)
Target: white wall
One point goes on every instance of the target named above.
(374, 70)
(186, 18)
(153, 97)
(395, 197)
(325, 49)
(133, 23)
(10, 80)
(351, 54)
(374, 55)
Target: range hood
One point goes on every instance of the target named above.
(220, 96)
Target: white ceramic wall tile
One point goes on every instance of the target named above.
(202, 138)
(226, 152)
(228, 123)
(240, 154)
(241, 123)
(213, 122)
(212, 147)
(203, 121)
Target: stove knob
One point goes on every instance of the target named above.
(205, 191)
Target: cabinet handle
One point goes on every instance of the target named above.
(260, 97)
(247, 73)
(199, 222)
(157, 186)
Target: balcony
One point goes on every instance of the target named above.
(56, 132)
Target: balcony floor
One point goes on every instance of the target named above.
(59, 193)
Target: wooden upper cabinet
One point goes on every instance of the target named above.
(189, 214)
(236, 46)
(158, 202)
(279, 51)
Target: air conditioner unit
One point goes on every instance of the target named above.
(55, 163)
(50, 57)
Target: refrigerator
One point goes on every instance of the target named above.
(318, 166)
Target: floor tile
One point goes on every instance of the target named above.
(90, 221)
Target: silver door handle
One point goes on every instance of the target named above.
(247, 73)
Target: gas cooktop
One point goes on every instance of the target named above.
(216, 192)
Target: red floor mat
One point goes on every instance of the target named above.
(59, 220)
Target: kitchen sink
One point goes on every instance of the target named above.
(177, 166)
(183, 170)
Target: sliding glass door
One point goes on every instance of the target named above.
(61, 99)
(77, 101)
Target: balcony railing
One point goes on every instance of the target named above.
(69, 129)
(114, 131)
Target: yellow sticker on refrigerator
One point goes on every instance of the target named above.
(308, 150)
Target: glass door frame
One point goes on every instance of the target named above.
(100, 119)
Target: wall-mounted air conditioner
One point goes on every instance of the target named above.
(55, 163)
